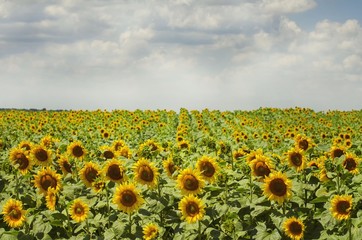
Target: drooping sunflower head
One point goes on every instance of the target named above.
(170, 167)
(127, 198)
(145, 172)
(277, 187)
(294, 228)
(337, 151)
(296, 159)
(76, 150)
(47, 178)
(65, 165)
(89, 173)
(208, 168)
(51, 198)
(41, 155)
(13, 212)
(19, 157)
(192, 208)
(150, 231)
(114, 171)
(189, 181)
(351, 163)
(79, 210)
(261, 166)
(341, 206)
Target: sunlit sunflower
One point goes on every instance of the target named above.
(19, 158)
(108, 152)
(79, 210)
(65, 165)
(13, 212)
(48, 141)
(341, 206)
(145, 172)
(170, 167)
(277, 187)
(118, 144)
(51, 198)
(76, 150)
(98, 185)
(150, 231)
(294, 228)
(303, 142)
(41, 156)
(192, 208)
(27, 145)
(296, 159)
(351, 163)
(208, 168)
(261, 166)
(125, 151)
(127, 198)
(337, 151)
(184, 144)
(251, 156)
(89, 173)
(114, 171)
(47, 178)
(190, 181)
(239, 154)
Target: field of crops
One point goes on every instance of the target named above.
(262, 174)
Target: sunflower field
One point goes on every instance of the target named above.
(159, 174)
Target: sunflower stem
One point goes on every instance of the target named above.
(69, 230)
(130, 224)
(159, 190)
(88, 230)
(17, 186)
(305, 189)
(251, 188)
(199, 230)
(338, 183)
(350, 229)
(284, 208)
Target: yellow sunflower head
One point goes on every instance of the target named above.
(251, 156)
(150, 231)
(65, 165)
(27, 145)
(337, 151)
(341, 206)
(51, 198)
(41, 155)
(296, 159)
(127, 198)
(13, 212)
(125, 151)
(294, 228)
(189, 181)
(208, 168)
(145, 172)
(277, 187)
(302, 142)
(114, 171)
(89, 173)
(47, 178)
(76, 150)
(192, 208)
(170, 167)
(261, 166)
(20, 158)
(108, 152)
(118, 144)
(351, 163)
(79, 210)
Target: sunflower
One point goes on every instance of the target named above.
(208, 168)
(118, 144)
(170, 167)
(303, 142)
(351, 163)
(89, 173)
(125, 152)
(51, 198)
(41, 155)
(261, 166)
(150, 231)
(13, 212)
(294, 228)
(65, 165)
(27, 145)
(19, 157)
(251, 156)
(114, 171)
(337, 151)
(76, 150)
(79, 210)
(192, 208)
(47, 178)
(98, 185)
(190, 182)
(145, 172)
(108, 152)
(277, 187)
(341, 206)
(296, 158)
(127, 198)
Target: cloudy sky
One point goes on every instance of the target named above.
(168, 54)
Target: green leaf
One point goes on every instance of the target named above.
(321, 199)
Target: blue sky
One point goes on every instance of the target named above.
(169, 54)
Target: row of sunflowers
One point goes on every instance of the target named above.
(262, 174)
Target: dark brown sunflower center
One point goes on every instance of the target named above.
(208, 169)
(153, 147)
(108, 154)
(343, 207)
(296, 159)
(192, 209)
(67, 166)
(278, 187)
(146, 173)
(91, 174)
(171, 168)
(295, 228)
(129, 198)
(79, 210)
(184, 145)
(303, 144)
(22, 160)
(47, 181)
(191, 183)
(26, 146)
(77, 151)
(15, 214)
(350, 164)
(261, 169)
(337, 153)
(114, 172)
(41, 155)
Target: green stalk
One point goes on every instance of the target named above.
(130, 224)
(69, 230)
(199, 230)
(350, 229)
(159, 190)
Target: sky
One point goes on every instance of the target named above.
(172, 54)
